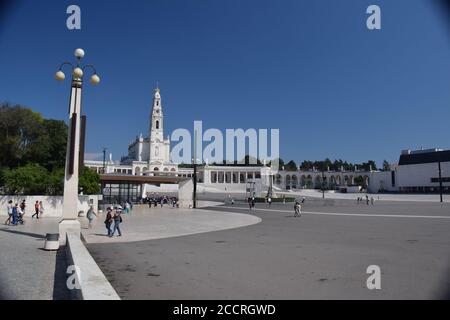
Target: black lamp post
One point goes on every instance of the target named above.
(440, 182)
(194, 197)
(104, 160)
(323, 184)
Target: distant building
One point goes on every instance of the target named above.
(416, 171)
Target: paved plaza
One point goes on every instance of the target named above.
(228, 252)
(27, 272)
(322, 255)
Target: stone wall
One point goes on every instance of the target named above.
(52, 204)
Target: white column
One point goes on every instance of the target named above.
(70, 199)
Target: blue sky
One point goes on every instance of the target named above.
(310, 68)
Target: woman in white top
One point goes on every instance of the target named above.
(10, 212)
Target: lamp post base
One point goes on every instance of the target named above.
(68, 226)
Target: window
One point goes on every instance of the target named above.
(157, 124)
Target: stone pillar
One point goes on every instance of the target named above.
(70, 221)
(185, 193)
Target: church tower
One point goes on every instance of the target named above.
(156, 121)
(157, 148)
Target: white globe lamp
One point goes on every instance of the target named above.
(60, 76)
(79, 53)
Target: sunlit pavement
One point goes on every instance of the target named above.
(143, 223)
(27, 272)
(317, 256)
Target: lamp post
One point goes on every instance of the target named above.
(323, 184)
(195, 184)
(104, 160)
(440, 182)
(70, 224)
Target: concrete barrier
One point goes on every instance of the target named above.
(93, 284)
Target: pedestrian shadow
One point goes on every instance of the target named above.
(100, 234)
(28, 234)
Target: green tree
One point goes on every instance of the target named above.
(25, 137)
(291, 166)
(31, 179)
(386, 166)
(56, 182)
(89, 181)
(20, 128)
(280, 162)
(52, 144)
(369, 165)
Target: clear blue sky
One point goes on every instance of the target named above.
(310, 68)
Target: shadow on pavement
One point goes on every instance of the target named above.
(28, 234)
(60, 290)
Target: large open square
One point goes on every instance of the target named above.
(324, 254)
(225, 158)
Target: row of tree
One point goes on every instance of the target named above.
(33, 154)
(306, 165)
(327, 164)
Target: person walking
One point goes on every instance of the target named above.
(90, 215)
(372, 200)
(9, 210)
(297, 209)
(117, 221)
(22, 206)
(41, 208)
(249, 200)
(367, 199)
(36, 210)
(15, 214)
(109, 221)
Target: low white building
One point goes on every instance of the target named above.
(417, 171)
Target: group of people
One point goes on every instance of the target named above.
(367, 200)
(251, 202)
(298, 207)
(16, 212)
(154, 201)
(113, 220)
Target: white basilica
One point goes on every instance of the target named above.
(150, 154)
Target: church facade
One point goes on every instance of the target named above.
(151, 154)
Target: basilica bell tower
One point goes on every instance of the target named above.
(156, 129)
